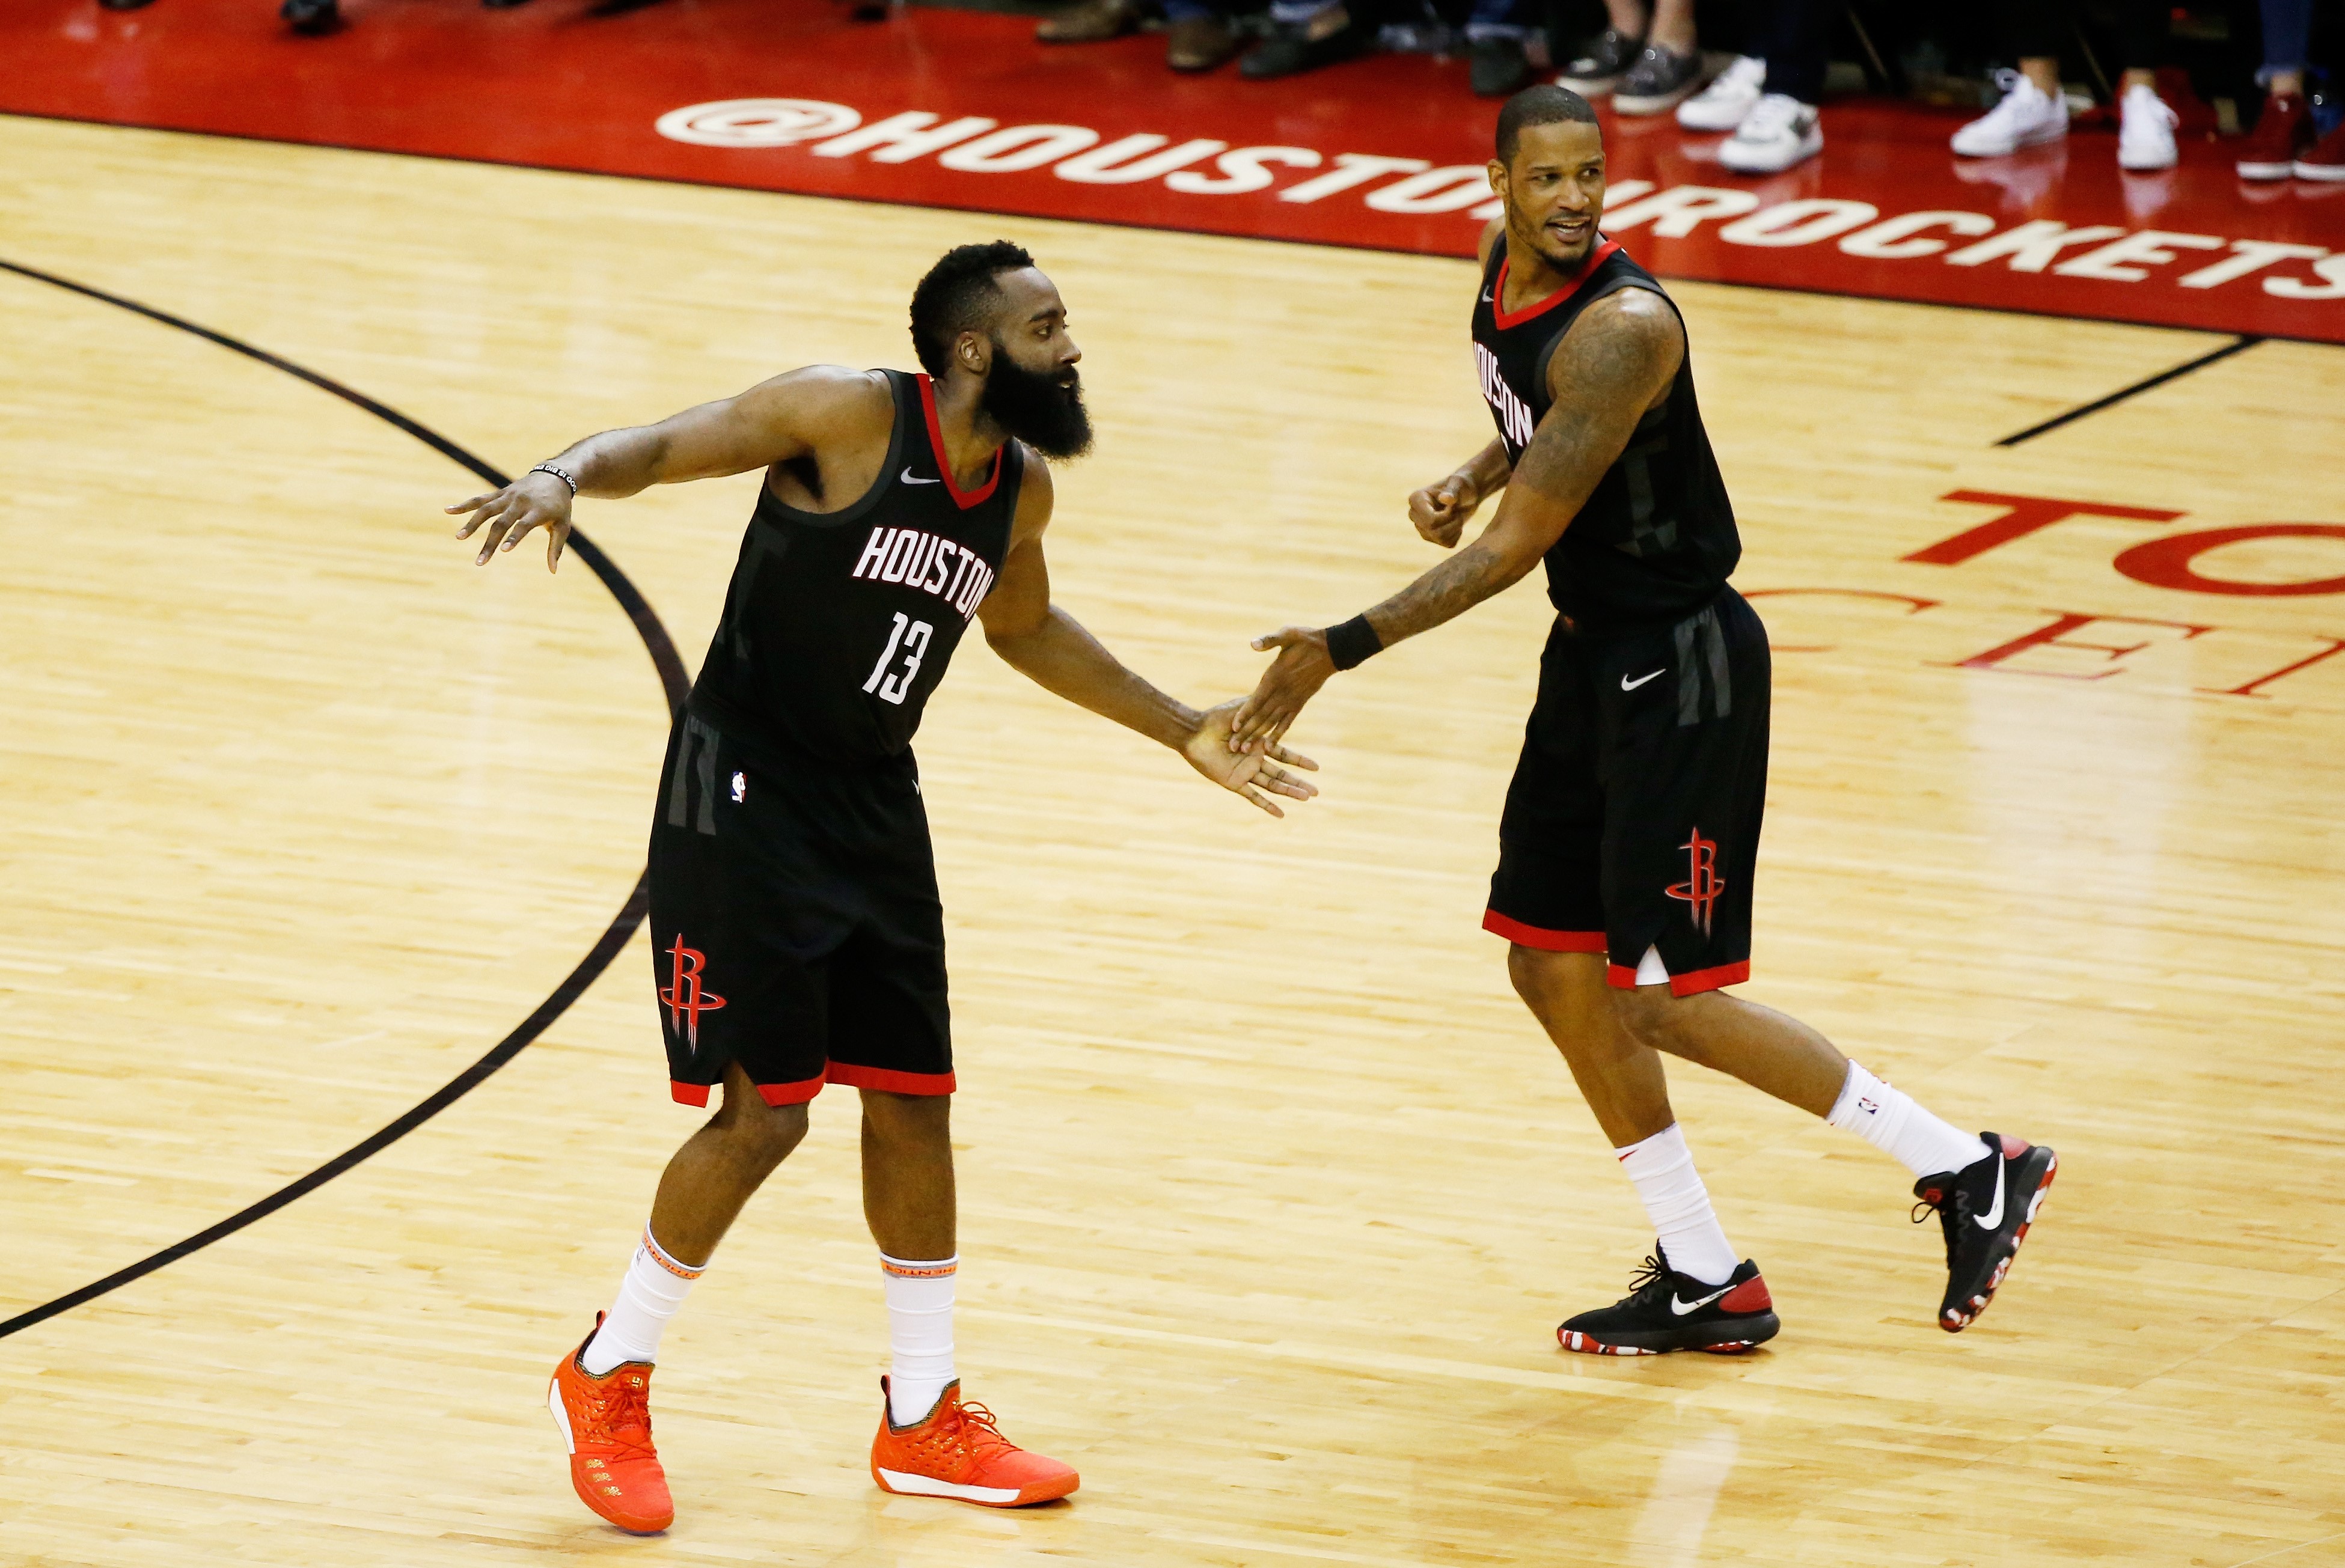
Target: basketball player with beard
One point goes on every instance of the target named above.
(1632, 830)
(797, 938)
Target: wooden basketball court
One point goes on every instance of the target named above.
(1272, 1192)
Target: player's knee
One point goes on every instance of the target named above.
(1655, 1018)
(763, 1134)
(907, 1118)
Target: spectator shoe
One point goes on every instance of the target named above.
(311, 18)
(1779, 133)
(2325, 160)
(2283, 134)
(1199, 43)
(1496, 68)
(2146, 131)
(1092, 21)
(1730, 96)
(1659, 80)
(1293, 47)
(2027, 116)
(1599, 67)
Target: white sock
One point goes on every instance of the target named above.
(1662, 1170)
(920, 1333)
(1888, 1119)
(655, 1286)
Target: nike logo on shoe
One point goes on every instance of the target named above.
(1628, 685)
(1682, 1307)
(909, 480)
(1994, 1217)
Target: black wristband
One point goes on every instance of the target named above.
(1353, 642)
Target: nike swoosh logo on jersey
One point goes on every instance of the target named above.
(1994, 1217)
(1628, 685)
(1486, 297)
(1682, 1307)
(909, 480)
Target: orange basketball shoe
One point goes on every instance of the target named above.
(956, 1451)
(607, 1423)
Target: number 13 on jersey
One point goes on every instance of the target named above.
(911, 638)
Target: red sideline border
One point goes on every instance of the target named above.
(961, 110)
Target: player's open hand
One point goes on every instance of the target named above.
(1440, 510)
(532, 501)
(1256, 775)
(1302, 667)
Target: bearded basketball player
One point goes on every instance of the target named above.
(1631, 829)
(797, 939)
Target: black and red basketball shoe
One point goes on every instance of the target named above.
(1986, 1208)
(1666, 1310)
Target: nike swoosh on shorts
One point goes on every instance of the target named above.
(1628, 685)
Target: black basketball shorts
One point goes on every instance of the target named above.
(1631, 827)
(795, 922)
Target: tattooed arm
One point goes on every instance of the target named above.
(1617, 361)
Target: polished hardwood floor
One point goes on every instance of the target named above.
(1273, 1194)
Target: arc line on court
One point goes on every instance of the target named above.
(673, 685)
(2237, 346)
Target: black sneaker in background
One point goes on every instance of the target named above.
(1985, 1207)
(1666, 1310)
(1496, 68)
(1292, 48)
(1600, 65)
(1659, 81)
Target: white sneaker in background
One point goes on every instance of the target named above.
(2146, 131)
(1779, 132)
(1731, 94)
(2027, 116)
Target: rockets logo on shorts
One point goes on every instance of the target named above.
(918, 558)
(685, 999)
(1703, 885)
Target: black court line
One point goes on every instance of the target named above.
(2237, 346)
(615, 938)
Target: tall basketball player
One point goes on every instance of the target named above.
(797, 934)
(1631, 829)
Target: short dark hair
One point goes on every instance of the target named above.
(956, 295)
(1545, 105)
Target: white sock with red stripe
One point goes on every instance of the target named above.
(655, 1286)
(920, 1333)
(1888, 1119)
(1661, 1170)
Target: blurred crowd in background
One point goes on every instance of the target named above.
(2266, 77)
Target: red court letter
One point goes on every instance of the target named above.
(1913, 606)
(2024, 515)
(2053, 635)
(2166, 562)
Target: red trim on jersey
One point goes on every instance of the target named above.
(1499, 289)
(889, 1079)
(1538, 937)
(944, 464)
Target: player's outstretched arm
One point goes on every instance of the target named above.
(1051, 648)
(1441, 512)
(1618, 357)
(787, 417)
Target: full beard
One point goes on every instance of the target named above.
(1562, 257)
(1038, 408)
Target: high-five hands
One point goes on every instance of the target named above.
(1440, 512)
(532, 501)
(1294, 677)
(1213, 754)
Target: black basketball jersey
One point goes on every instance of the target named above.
(837, 625)
(1656, 540)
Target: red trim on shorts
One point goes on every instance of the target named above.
(1709, 979)
(1624, 978)
(888, 1078)
(772, 1094)
(1538, 937)
(944, 467)
(1580, 280)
